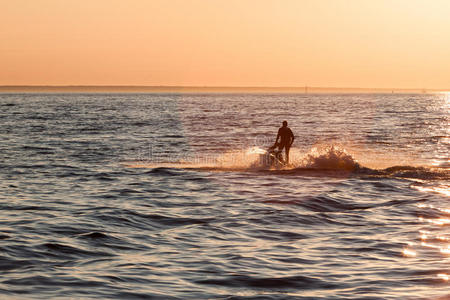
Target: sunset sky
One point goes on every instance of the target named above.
(353, 43)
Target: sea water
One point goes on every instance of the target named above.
(161, 196)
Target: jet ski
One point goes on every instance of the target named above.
(272, 157)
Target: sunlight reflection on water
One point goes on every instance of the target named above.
(151, 196)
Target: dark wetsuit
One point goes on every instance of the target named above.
(286, 139)
(285, 134)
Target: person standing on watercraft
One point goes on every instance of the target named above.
(286, 139)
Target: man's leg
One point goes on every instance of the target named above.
(287, 154)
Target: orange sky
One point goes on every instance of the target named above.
(353, 43)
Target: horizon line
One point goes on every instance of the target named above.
(194, 88)
(215, 86)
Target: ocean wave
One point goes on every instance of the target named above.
(297, 282)
(416, 172)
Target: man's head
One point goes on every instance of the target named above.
(284, 123)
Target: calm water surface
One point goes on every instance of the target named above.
(161, 196)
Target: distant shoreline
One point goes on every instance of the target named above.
(198, 89)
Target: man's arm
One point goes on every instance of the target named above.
(292, 139)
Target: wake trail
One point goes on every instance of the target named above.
(330, 160)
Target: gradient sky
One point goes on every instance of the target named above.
(352, 43)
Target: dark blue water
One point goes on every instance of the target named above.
(160, 196)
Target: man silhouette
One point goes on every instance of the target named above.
(286, 139)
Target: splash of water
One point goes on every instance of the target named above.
(323, 157)
(329, 157)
